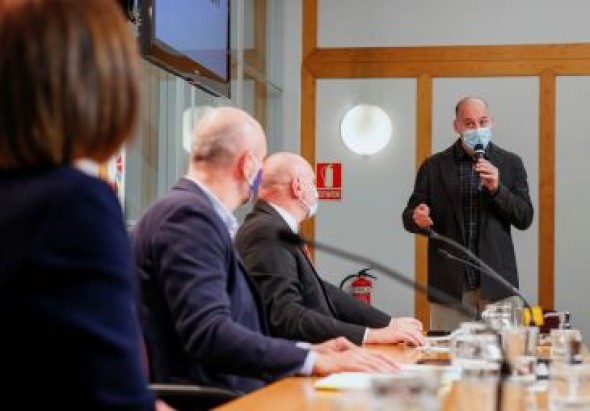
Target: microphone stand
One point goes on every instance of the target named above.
(295, 239)
(479, 264)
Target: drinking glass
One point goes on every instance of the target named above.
(520, 346)
(565, 344)
(498, 315)
(477, 388)
(569, 386)
(406, 391)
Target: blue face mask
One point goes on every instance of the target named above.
(254, 186)
(473, 137)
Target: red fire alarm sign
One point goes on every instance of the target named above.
(329, 180)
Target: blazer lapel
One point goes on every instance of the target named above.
(264, 207)
(448, 178)
(497, 159)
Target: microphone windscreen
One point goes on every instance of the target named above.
(289, 237)
(479, 151)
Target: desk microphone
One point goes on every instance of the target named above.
(289, 237)
(476, 262)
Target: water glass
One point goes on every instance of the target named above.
(569, 386)
(520, 346)
(406, 391)
(565, 344)
(467, 347)
(477, 388)
(498, 315)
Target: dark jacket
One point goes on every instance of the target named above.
(70, 333)
(203, 318)
(509, 206)
(298, 303)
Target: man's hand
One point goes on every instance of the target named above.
(354, 360)
(406, 322)
(421, 216)
(334, 345)
(488, 173)
(394, 334)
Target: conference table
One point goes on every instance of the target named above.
(298, 393)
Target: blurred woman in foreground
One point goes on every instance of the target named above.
(69, 89)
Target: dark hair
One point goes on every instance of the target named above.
(69, 81)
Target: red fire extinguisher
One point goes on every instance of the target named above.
(362, 285)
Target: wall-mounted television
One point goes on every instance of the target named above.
(189, 38)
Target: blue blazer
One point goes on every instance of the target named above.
(203, 318)
(70, 332)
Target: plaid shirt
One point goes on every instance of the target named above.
(469, 188)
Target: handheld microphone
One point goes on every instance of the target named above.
(289, 237)
(479, 264)
(478, 152)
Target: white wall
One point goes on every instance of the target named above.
(367, 219)
(375, 23)
(572, 193)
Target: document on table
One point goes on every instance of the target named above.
(362, 381)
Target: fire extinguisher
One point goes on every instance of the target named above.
(362, 285)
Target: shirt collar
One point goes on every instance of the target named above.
(229, 220)
(287, 216)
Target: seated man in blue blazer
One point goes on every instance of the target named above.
(299, 304)
(202, 315)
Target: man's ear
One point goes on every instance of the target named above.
(244, 166)
(455, 122)
(295, 187)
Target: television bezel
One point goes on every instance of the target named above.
(178, 63)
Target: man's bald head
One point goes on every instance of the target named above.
(281, 168)
(225, 133)
(470, 101)
(288, 181)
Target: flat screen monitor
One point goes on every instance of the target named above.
(189, 38)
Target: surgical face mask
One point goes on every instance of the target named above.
(476, 136)
(254, 185)
(313, 207)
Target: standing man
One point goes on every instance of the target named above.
(299, 304)
(203, 318)
(474, 200)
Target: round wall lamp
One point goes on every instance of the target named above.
(366, 129)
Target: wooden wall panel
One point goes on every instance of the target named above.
(546, 210)
(423, 150)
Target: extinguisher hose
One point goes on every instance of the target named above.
(348, 277)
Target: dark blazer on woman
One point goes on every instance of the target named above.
(509, 206)
(202, 315)
(70, 333)
(298, 303)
